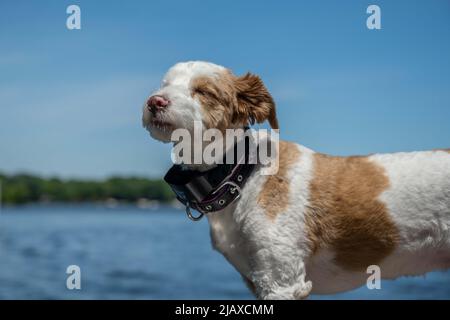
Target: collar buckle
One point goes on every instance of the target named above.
(234, 188)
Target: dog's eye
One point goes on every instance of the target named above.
(205, 91)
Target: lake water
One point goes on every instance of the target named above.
(130, 253)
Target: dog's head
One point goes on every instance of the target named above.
(202, 91)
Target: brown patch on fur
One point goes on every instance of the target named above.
(254, 101)
(227, 99)
(344, 213)
(275, 194)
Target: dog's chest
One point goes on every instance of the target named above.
(228, 239)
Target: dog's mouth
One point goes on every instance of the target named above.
(162, 125)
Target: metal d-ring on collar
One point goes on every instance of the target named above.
(190, 215)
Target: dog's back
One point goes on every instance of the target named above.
(418, 200)
(392, 210)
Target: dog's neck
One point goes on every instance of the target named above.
(192, 165)
(203, 166)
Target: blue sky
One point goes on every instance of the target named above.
(70, 101)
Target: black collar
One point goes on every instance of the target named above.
(214, 189)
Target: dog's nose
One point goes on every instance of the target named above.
(157, 102)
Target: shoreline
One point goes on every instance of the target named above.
(150, 205)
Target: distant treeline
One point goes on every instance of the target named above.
(25, 188)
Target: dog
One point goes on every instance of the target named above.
(320, 221)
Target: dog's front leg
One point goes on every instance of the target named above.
(279, 275)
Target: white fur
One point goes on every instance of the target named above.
(274, 255)
(183, 109)
(418, 201)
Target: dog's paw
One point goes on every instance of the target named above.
(297, 291)
(304, 291)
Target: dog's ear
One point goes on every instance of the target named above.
(254, 102)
